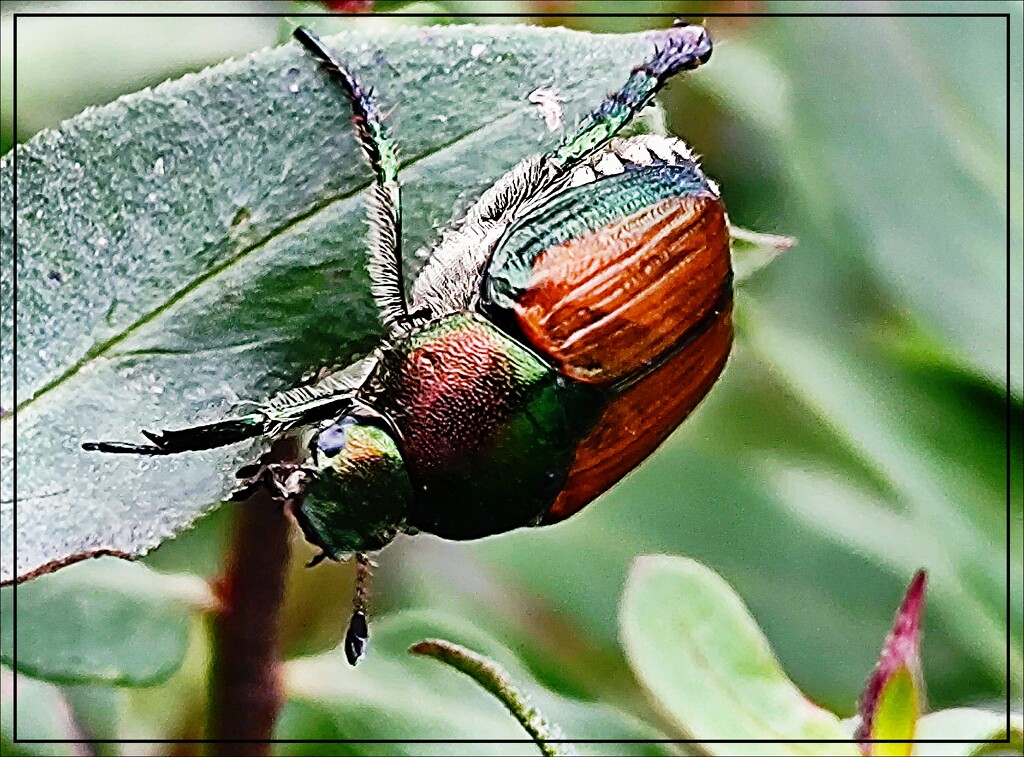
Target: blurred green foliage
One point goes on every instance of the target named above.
(859, 432)
(700, 656)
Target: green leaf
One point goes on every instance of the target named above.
(393, 695)
(899, 706)
(42, 713)
(103, 621)
(921, 458)
(964, 724)
(697, 650)
(880, 118)
(203, 241)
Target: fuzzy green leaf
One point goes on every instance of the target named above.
(204, 240)
(697, 650)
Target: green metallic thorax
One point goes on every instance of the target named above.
(487, 429)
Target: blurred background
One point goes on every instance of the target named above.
(859, 432)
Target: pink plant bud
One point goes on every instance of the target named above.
(902, 650)
(349, 6)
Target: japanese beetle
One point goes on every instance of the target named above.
(555, 337)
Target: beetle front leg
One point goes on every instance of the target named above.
(194, 438)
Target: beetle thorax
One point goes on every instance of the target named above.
(482, 423)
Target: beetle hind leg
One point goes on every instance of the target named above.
(680, 48)
(357, 635)
(387, 283)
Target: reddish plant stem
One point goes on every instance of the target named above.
(245, 687)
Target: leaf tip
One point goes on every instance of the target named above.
(752, 251)
(899, 661)
(908, 618)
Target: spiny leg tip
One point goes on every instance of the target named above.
(317, 559)
(356, 638)
(679, 48)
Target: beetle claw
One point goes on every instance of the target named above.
(356, 637)
(319, 559)
(248, 471)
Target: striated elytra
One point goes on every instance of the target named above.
(556, 336)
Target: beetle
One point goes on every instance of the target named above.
(554, 338)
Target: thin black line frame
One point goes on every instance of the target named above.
(1014, 420)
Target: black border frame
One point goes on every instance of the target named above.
(1010, 415)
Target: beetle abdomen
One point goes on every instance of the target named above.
(608, 276)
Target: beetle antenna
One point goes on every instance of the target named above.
(681, 48)
(358, 634)
(387, 283)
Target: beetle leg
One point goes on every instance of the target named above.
(300, 405)
(386, 279)
(680, 48)
(285, 481)
(317, 559)
(358, 634)
(206, 436)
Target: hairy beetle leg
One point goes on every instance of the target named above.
(385, 266)
(681, 48)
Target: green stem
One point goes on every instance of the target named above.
(498, 682)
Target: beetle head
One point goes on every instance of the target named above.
(360, 494)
